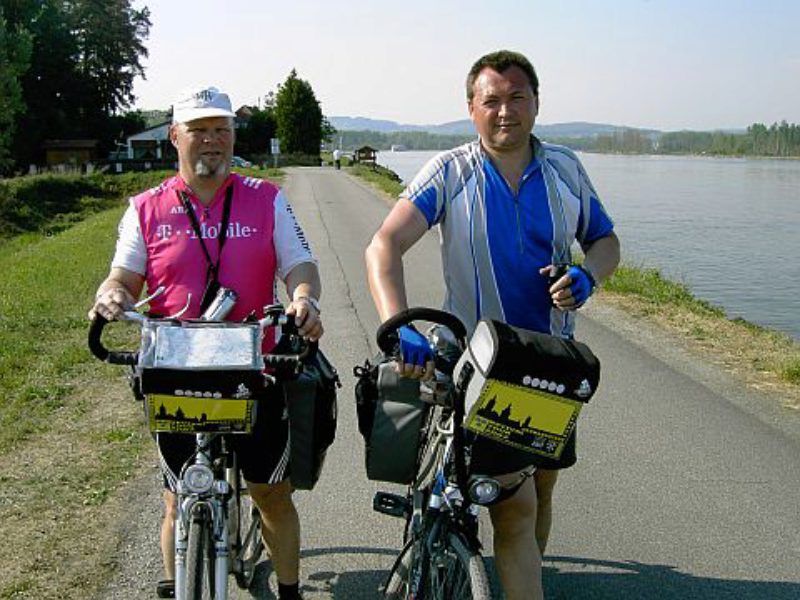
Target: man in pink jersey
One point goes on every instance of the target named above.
(170, 237)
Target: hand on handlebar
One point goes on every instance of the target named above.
(112, 304)
(416, 356)
(306, 318)
(573, 289)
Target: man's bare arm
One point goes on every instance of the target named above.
(602, 257)
(304, 288)
(401, 229)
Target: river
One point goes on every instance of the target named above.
(728, 228)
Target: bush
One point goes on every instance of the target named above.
(299, 160)
(52, 202)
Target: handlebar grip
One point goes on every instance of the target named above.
(309, 348)
(410, 315)
(100, 351)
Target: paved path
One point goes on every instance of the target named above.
(687, 487)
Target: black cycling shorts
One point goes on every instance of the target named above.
(263, 455)
(493, 458)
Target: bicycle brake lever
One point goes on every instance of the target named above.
(159, 290)
(179, 314)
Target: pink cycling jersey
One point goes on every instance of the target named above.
(175, 258)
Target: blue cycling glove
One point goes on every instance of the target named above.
(414, 347)
(583, 284)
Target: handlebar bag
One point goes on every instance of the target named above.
(525, 390)
(311, 403)
(200, 376)
(391, 417)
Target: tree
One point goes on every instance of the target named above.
(85, 57)
(109, 36)
(50, 86)
(298, 116)
(327, 130)
(254, 139)
(15, 51)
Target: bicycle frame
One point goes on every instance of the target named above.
(441, 548)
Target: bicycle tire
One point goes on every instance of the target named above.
(454, 572)
(459, 572)
(200, 560)
(252, 544)
(398, 583)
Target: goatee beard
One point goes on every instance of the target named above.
(201, 169)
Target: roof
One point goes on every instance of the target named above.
(157, 132)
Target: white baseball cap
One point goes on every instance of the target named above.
(200, 103)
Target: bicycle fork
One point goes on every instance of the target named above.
(207, 494)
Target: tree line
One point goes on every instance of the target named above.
(780, 140)
(410, 140)
(67, 70)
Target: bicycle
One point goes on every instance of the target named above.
(218, 528)
(441, 557)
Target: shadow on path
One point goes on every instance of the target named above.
(575, 578)
(364, 584)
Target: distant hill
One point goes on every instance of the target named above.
(576, 129)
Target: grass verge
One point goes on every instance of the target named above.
(379, 177)
(70, 434)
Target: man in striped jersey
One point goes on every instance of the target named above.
(508, 208)
(173, 236)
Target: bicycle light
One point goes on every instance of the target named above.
(198, 479)
(483, 490)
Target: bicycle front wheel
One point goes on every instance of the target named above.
(200, 560)
(452, 571)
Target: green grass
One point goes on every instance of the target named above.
(759, 347)
(651, 286)
(790, 369)
(274, 175)
(47, 287)
(380, 177)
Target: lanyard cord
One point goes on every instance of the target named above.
(213, 269)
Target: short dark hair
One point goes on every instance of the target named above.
(500, 61)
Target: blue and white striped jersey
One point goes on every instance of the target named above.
(493, 242)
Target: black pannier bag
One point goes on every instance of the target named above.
(525, 391)
(390, 418)
(311, 403)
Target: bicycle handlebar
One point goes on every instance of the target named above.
(391, 325)
(274, 316)
(100, 351)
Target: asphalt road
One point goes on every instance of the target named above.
(687, 486)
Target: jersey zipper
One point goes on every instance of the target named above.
(519, 226)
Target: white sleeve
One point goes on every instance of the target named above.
(131, 253)
(291, 246)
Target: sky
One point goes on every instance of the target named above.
(662, 64)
